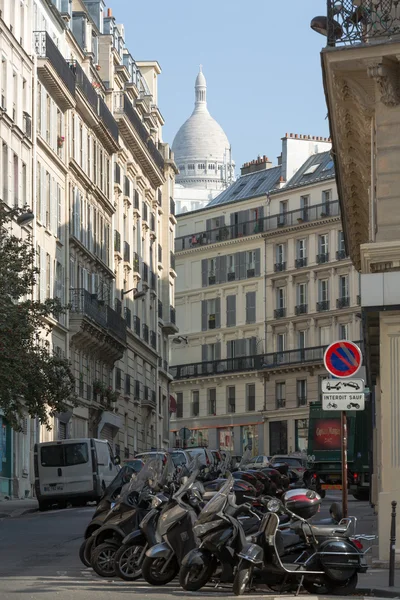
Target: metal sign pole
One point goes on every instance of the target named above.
(344, 463)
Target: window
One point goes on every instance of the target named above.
(179, 405)
(15, 92)
(48, 276)
(280, 254)
(323, 243)
(302, 339)
(324, 336)
(25, 198)
(283, 208)
(343, 331)
(301, 249)
(64, 455)
(280, 298)
(118, 378)
(231, 393)
(251, 307)
(195, 403)
(211, 352)
(278, 438)
(48, 200)
(323, 290)
(212, 269)
(201, 166)
(3, 82)
(5, 172)
(212, 401)
(191, 167)
(341, 247)
(280, 394)
(48, 118)
(231, 311)
(211, 167)
(301, 293)
(304, 204)
(251, 263)
(211, 314)
(251, 396)
(301, 392)
(344, 286)
(280, 345)
(326, 198)
(16, 182)
(241, 348)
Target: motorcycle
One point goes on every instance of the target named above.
(175, 529)
(106, 502)
(221, 537)
(125, 516)
(323, 558)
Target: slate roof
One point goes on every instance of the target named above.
(249, 186)
(322, 166)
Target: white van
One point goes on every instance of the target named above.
(75, 471)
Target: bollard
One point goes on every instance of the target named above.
(392, 545)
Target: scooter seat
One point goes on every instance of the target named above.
(322, 530)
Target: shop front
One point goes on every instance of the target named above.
(5, 457)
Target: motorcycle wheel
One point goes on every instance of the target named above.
(194, 577)
(151, 570)
(126, 562)
(82, 554)
(103, 559)
(242, 577)
(330, 587)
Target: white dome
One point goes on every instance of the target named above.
(200, 138)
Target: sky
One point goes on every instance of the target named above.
(261, 61)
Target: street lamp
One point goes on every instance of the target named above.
(179, 339)
(136, 294)
(25, 218)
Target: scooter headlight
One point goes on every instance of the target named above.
(274, 505)
(202, 530)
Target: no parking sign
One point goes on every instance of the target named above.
(343, 359)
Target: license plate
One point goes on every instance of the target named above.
(326, 486)
(53, 488)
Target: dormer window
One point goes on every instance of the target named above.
(191, 167)
(201, 166)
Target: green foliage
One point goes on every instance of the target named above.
(32, 378)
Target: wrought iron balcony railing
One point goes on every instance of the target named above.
(323, 305)
(46, 48)
(87, 304)
(84, 85)
(341, 255)
(300, 262)
(108, 120)
(301, 400)
(273, 360)
(364, 21)
(230, 232)
(280, 402)
(322, 258)
(301, 309)
(280, 266)
(279, 313)
(343, 302)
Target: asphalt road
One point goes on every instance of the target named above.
(39, 560)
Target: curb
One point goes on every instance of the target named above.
(377, 593)
(18, 513)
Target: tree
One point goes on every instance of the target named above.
(33, 379)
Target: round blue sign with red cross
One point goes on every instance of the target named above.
(343, 359)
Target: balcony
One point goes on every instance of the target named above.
(322, 258)
(299, 263)
(341, 255)
(279, 313)
(301, 309)
(240, 230)
(343, 302)
(323, 305)
(136, 325)
(54, 70)
(107, 129)
(301, 400)
(88, 94)
(136, 262)
(96, 326)
(145, 273)
(27, 124)
(149, 398)
(169, 325)
(117, 241)
(127, 252)
(280, 403)
(153, 339)
(128, 317)
(279, 266)
(272, 361)
(138, 138)
(146, 333)
(160, 309)
(172, 260)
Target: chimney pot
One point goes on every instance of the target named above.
(109, 12)
(291, 135)
(296, 136)
(286, 134)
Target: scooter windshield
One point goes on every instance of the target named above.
(148, 476)
(217, 503)
(245, 459)
(194, 469)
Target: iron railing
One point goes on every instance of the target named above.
(272, 360)
(46, 48)
(323, 305)
(230, 232)
(300, 262)
(280, 266)
(341, 255)
(87, 304)
(322, 258)
(84, 85)
(343, 302)
(172, 312)
(127, 252)
(364, 21)
(124, 105)
(279, 313)
(301, 309)
(135, 262)
(280, 402)
(108, 120)
(136, 325)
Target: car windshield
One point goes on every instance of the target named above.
(293, 462)
(178, 458)
(216, 504)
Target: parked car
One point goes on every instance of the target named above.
(206, 456)
(179, 457)
(76, 471)
(135, 463)
(258, 462)
(218, 459)
(296, 464)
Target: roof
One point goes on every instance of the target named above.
(249, 186)
(317, 168)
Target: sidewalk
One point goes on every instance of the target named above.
(17, 508)
(376, 583)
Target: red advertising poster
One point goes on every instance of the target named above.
(327, 434)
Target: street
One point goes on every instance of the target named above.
(39, 559)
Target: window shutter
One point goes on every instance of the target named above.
(217, 313)
(43, 111)
(250, 307)
(221, 269)
(85, 279)
(204, 272)
(204, 315)
(257, 265)
(229, 346)
(59, 213)
(43, 195)
(242, 265)
(218, 351)
(253, 346)
(90, 229)
(62, 285)
(204, 354)
(53, 206)
(230, 311)
(42, 274)
(52, 291)
(78, 216)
